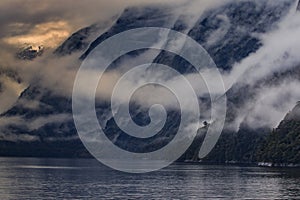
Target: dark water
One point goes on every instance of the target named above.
(35, 178)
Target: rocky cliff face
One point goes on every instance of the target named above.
(228, 33)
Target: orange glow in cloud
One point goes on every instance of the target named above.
(49, 34)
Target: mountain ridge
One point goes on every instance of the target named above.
(236, 46)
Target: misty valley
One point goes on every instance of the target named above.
(210, 87)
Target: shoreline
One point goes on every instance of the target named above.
(229, 163)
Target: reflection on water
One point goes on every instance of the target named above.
(35, 178)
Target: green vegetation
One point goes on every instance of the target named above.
(283, 144)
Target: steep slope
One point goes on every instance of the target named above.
(228, 33)
(30, 53)
(40, 123)
(238, 39)
(80, 40)
(282, 147)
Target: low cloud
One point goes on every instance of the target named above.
(10, 91)
(33, 124)
(51, 22)
(280, 52)
(50, 34)
(269, 106)
(18, 137)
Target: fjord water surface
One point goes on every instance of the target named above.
(40, 178)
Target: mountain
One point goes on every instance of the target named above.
(282, 146)
(80, 40)
(40, 123)
(29, 52)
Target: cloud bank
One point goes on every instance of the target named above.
(49, 23)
